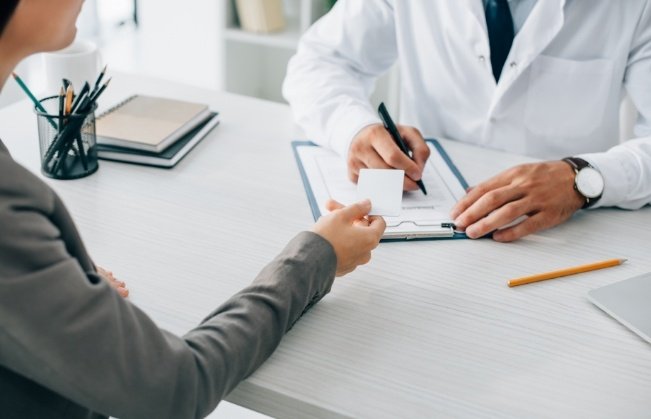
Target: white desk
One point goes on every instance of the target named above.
(427, 329)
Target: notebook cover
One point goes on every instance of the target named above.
(148, 123)
(165, 158)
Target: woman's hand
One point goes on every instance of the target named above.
(120, 287)
(351, 232)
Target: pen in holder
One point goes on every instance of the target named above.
(67, 140)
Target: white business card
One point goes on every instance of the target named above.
(384, 188)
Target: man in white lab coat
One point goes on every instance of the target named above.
(542, 78)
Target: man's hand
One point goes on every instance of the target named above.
(373, 148)
(351, 232)
(544, 192)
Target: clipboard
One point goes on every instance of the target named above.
(428, 230)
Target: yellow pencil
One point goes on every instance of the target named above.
(69, 97)
(565, 272)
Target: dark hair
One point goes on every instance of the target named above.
(7, 8)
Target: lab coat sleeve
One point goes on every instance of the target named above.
(627, 167)
(332, 75)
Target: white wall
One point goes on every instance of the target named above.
(176, 41)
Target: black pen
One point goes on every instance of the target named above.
(99, 78)
(393, 131)
(99, 92)
(80, 96)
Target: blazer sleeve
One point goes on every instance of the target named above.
(66, 329)
(332, 75)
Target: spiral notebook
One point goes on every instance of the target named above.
(149, 123)
(167, 158)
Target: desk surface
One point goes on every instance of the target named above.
(426, 329)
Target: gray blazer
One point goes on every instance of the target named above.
(71, 347)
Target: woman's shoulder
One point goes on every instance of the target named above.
(20, 188)
(37, 232)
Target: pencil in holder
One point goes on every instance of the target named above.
(67, 142)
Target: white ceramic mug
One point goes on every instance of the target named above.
(80, 62)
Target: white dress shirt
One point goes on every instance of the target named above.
(559, 94)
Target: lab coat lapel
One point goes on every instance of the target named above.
(476, 9)
(540, 28)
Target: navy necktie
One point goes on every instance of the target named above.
(500, 33)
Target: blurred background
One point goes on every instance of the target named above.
(240, 46)
(203, 43)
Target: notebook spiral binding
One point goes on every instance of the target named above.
(116, 107)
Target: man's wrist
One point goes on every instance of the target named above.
(348, 123)
(588, 181)
(569, 189)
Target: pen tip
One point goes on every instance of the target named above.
(622, 260)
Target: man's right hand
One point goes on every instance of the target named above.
(351, 232)
(373, 148)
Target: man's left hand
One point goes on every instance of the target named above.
(543, 192)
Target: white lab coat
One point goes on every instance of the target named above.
(559, 94)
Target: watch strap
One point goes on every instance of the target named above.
(578, 164)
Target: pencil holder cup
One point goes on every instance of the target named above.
(67, 143)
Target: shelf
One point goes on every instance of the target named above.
(287, 38)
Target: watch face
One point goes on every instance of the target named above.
(589, 182)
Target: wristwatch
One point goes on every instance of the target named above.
(588, 181)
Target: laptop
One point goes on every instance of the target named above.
(629, 302)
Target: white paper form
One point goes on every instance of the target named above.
(421, 216)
